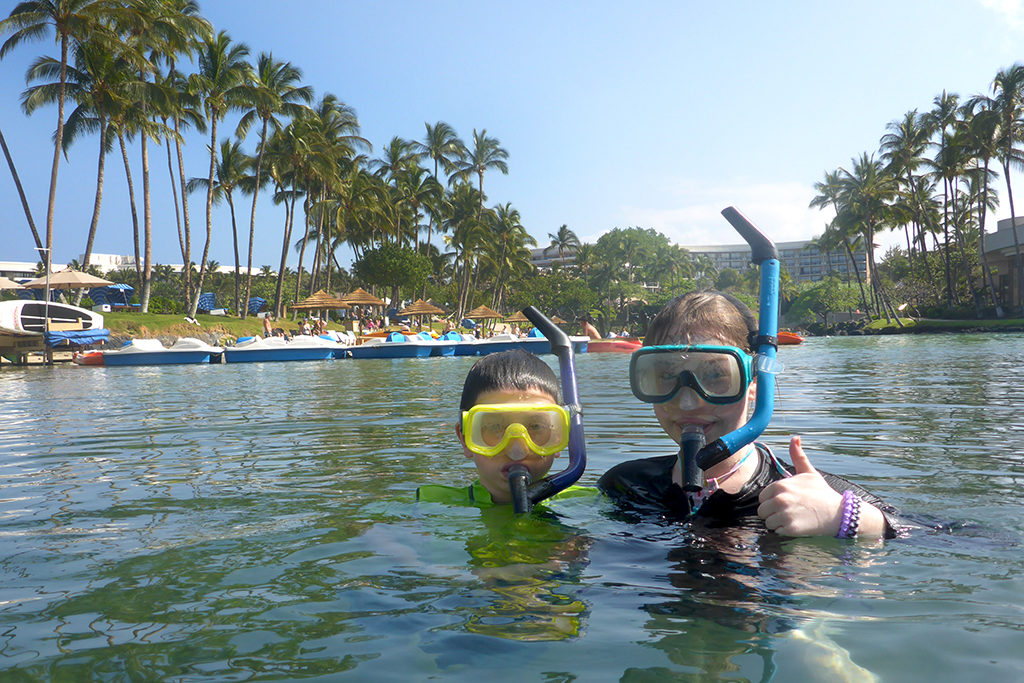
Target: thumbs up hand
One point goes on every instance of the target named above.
(801, 505)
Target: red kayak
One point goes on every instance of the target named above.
(790, 337)
(613, 345)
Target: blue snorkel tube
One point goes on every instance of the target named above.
(524, 493)
(766, 257)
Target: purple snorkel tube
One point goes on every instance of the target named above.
(524, 493)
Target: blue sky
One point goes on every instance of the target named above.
(649, 114)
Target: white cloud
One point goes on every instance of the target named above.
(779, 210)
(1011, 11)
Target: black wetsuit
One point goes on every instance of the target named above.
(645, 486)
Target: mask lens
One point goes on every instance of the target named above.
(489, 429)
(717, 374)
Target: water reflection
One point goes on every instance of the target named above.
(256, 520)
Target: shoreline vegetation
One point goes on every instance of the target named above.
(415, 215)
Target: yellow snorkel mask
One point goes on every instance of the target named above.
(488, 429)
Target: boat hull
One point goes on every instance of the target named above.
(612, 346)
(277, 349)
(21, 316)
(167, 357)
(388, 350)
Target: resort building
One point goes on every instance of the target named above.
(19, 270)
(803, 260)
(1001, 253)
(544, 261)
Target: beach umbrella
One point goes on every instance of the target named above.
(484, 313)
(7, 283)
(68, 279)
(321, 301)
(360, 297)
(556, 320)
(420, 308)
(517, 317)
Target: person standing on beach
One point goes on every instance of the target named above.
(268, 330)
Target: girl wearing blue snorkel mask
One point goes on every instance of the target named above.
(697, 369)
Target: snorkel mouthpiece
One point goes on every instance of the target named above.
(519, 480)
(764, 254)
(691, 441)
(561, 346)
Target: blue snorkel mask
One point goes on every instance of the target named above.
(765, 345)
(525, 493)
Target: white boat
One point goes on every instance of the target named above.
(28, 317)
(153, 352)
(395, 345)
(260, 349)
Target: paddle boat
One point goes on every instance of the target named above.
(787, 337)
(272, 349)
(27, 317)
(439, 346)
(613, 345)
(153, 352)
(395, 345)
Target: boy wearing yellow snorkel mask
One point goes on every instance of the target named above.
(697, 369)
(511, 416)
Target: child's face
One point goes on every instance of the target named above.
(688, 408)
(493, 470)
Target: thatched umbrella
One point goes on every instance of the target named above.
(420, 308)
(67, 279)
(321, 301)
(484, 313)
(556, 320)
(8, 283)
(360, 297)
(517, 317)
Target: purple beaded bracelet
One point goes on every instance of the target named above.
(851, 515)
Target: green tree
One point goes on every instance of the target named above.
(69, 20)
(276, 91)
(562, 241)
(392, 265)
(223, 84)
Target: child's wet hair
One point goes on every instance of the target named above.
(703, 314)
(515, 369)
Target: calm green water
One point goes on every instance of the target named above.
(254, 522)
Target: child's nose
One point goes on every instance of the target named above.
(687, 399)
(517, 450)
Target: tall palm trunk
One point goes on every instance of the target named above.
(174, 194)
(234, 238)
(94, 223)
(288, 221)
(58, 143)
(252, 220)
(856, 272)
(186, 252)
(131, 202)
(302, 247)
(982, 212)
(1019, 265)
(21, 192)
(147, 229)
(209, 215)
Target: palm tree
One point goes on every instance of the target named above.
(562, 241)
(70, 20)
(981, 131)
(1008, 102)
(487, 153)
(830, 194)
(223, 82)
(232, 167)
(97, 82)
(276, 91)
(161, 29)
(507, 248)
(442, 145)
(21, 192)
